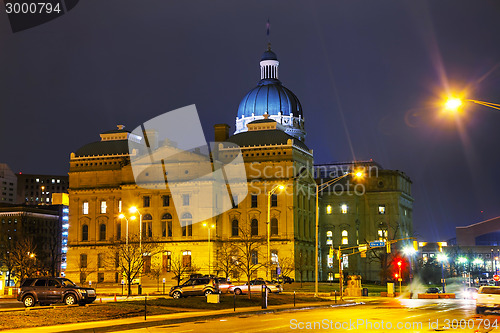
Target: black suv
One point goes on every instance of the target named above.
(200, 286)
(48, 290)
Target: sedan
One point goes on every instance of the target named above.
(433, 290)
(255, 287)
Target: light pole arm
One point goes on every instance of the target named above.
(487, 104)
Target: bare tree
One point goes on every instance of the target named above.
(6, 258)
(381, 256)
(131, 258)
(226, 258)
(300, 265)
(287, 266)
(155, 273)
(24, 258)
(249, 255)
(181, 269)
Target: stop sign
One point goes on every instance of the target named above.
(496, 277)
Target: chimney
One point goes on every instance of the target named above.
(221, 132)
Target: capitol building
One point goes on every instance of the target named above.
(276, 217)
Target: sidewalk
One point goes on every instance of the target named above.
(165, 319)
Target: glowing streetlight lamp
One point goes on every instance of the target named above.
(454, 103)
(212, 226)
(441, 257)
(269, 194)
(122, 216)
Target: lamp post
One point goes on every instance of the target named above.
(122, 216)
(269, 194)
(134, 210)
(442, 258)
(400, 278)
(209, 253)
(410, 251)
(321, 187)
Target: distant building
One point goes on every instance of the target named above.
(35, 189)
(376, 208)
(42, 225)
(8, 184)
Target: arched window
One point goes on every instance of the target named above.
(255, 227)
(234, 228)
(345, 239)
(274, 226)
(166, 225)
(147, 217)
(102, 232)
(85, 232)
(187, 224)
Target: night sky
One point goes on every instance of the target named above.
(369, 75)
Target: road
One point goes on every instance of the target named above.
(378, 316)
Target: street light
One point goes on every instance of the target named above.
(454, 103)
(122, 216)
(276, 187)
(209, 253)
(399, 278)
(442, 258)
(134, 210)
(321, 187)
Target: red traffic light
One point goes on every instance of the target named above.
(396, 275)
(399, 263)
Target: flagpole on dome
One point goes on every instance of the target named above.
(268, 33)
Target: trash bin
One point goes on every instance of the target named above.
(364, 292)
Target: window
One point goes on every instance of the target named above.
(100, 277)
(167, 261)
(119, 206)
(343, 209)
(85, 208)
(146, 201)
(329, 209)
(187, 225)
(254, 201)
(166, 200)
(147, 226)
(234, 228)
(40, 283)
(381, 209)
(329, 235)
(382, 235)
(186, 258)
(102, 232)
(254, 227)
(274, 226)
(103, 207)
(100, 260)
(119, 230)
(166, 225)
(85, 232)
(274, 200)
(255, 258)
(83, 260)
(117, 259)
(345, 239)
(185, 199)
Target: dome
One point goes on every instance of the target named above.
(269, 55)
(272, 97)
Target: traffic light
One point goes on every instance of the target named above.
(388, 247)
(415, 245)
(399, 263)
(396, 275)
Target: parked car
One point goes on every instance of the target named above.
(488, 297)
(200, 286)
(223, 285)
(283, 279)
(470, 293)
(256, 287)
(49, 290)
(433, 290)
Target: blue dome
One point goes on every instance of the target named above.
(272, 97)
(269, 55)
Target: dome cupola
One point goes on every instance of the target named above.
(271, 98)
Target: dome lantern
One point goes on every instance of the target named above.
(269, 64)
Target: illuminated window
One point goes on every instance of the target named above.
(381, 209)
(119, 206)
(343, 209)
(345, 261)
(382, 235)
(274, 257)
(345, 239)
(186, 259)
(103, 207)
(329, 234)
(85, 208)
(329, 209)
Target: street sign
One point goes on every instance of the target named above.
(496, 277)
(377, 243)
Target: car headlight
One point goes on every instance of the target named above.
(82, 291)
